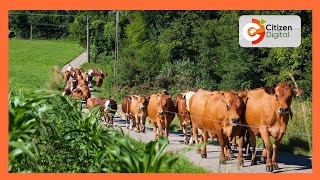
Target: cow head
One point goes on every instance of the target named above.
(283, 95)
(142, 101)
(163, 103)
(235, 104)
(107, 104)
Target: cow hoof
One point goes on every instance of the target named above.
(275, 166)
(240, 163)
(269, 168)
(223, 161)
(204, 155)
(198, 151)
(263, 160)
(253, 162)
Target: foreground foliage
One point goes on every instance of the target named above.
(51, 134)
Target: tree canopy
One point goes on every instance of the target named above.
(177, 49)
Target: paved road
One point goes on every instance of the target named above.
(81, 59)
(288, 163)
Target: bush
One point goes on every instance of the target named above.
(56, 79)
(51, 134)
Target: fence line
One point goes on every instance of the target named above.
(244, 125)
(36, 14)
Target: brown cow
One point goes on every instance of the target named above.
(66, 91)
(99, 81)
(184, 117)
(86, 94)
(110, 109)
(268, 112)
(107, 106)
(100, 73)
(77, 93)
(125, 106)
(66, 76)
(161, 112)
(77, 72)
(138, 109)
(82, 81)
(218, 113)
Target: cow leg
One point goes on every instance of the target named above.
(195, 136)
(111, 118)
(131, 123)
(191, 135)
(167, 132)
(104, 119)
(234, 143)
(264, 154)
(275, 149)
(267, 143)
(143, 123)
(253, 142)
(229, 153)
(127, 121)
(222, 146)
(160, 128)
(184, 130)
(137, 129)
(154, 124)
(246, 143)
(204, 147)
(240, 153)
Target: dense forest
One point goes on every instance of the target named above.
(176, 50)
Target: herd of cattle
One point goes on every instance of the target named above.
(225, 115)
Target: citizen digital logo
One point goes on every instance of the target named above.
(269, 31)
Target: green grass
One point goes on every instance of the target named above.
(31, 61)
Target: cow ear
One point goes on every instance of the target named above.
(184, 96)
(298, 92)
(243, 95)
(269, 90)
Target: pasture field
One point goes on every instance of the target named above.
(31, 61)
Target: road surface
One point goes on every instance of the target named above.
(288, 163)
(76, 63)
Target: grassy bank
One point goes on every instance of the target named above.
(31, 61)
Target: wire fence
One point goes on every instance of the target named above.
(270, 129)
(41, 26)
